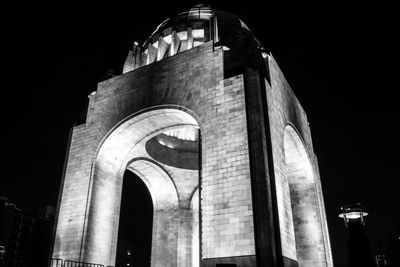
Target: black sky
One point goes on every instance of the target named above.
(341, 60)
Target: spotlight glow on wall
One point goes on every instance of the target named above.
(184, 133)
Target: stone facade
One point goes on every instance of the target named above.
(285, 111)
(242, 200)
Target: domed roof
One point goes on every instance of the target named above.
(196, 13)
(192, 28)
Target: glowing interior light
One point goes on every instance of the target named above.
(198, 33)
(168, 39)
(264, 55)
(197, 43)
(136, 43)
(155, 44)
(182, 35)
(185, 133)
(353, 215)
(205, 14)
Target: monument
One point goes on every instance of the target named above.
(204, 116)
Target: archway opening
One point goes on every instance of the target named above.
(135, 223)
(160, 146)
(304, 201)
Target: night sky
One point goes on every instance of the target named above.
(341, 60)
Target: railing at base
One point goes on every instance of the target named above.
(68, 263)
(56, 263)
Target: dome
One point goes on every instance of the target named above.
(197, 18)
(190, 29)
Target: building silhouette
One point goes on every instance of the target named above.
(25, 238)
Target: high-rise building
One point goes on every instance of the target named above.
(25, 238)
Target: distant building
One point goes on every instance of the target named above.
(24, 237)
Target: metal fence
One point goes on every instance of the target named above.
(55, 263)
(68, 263)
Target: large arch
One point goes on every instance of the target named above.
(308, 230)
(124, 148)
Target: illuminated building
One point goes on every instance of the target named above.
(204, 116)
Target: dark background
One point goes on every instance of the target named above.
(341, 60)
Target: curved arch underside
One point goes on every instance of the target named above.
(166, 205)
(124, 148)
(308, 234)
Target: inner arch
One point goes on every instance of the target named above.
(135, 224)
(124, 148)
(165, 204)
(304, 201)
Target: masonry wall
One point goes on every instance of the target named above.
(194, 80)
(227, 212)
(242, 169)
(74, 194)
(284, 109)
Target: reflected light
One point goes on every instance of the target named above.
(182, 35)
(184, 133)
(92, 94)
(168, 39)
(198, 33)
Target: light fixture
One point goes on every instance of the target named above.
(92, 94)
(354, 212)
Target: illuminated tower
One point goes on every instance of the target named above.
(204, 116)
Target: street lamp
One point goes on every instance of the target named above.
(380, 260)
(353, 213)
(358, 246)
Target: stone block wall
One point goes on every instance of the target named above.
(71, 211)
(193, 81)
(242, 169)
(285, 110)
(227, 212)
